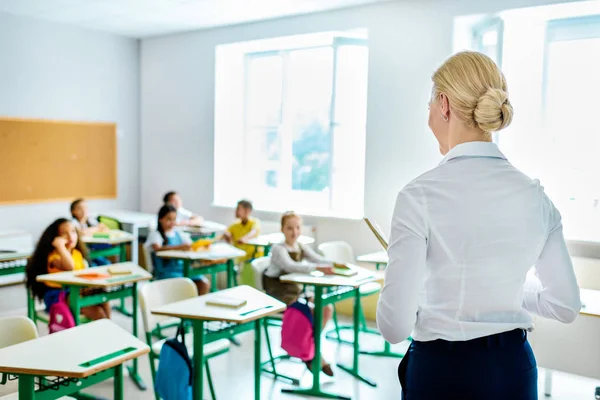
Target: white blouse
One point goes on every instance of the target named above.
(282, 263)
(464, 236)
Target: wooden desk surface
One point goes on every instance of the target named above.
(318, 279)
(206, 227)
(591, 302)
(217, 251)
(14, 255)
(258, 305)
(117, 237)
(66, 353)
(70, 277)
(275, 238)
(379, 257)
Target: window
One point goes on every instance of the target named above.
(290, 121)
(571, 85)
(487, 38)
(550, 56)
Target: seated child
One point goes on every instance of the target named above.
(59, 249)
(184, 216)
(166, 237)
(244, 229)
(291, 256)
(87, 226)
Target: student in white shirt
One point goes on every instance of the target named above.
(464, 236)
(184, 216)
(291, 256)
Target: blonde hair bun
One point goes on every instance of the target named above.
(493, 111)
(476, 90)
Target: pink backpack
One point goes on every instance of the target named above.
(297, 332)
(61, 317)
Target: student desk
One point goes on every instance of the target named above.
(342, 288)
(571, 348)
(79, 357)
(217, 251)
(270, 239)
(379, 258)
(114, 290)
(206, 229)
(259, 306)
(13, 261)
(133, 222)
(118, 239)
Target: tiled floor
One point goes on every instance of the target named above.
(233, 374)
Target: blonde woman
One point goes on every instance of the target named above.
(464, 236)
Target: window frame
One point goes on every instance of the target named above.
(336, 43)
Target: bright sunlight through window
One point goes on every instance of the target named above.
(290, 121)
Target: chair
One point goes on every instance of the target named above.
(342, 252)
(259, 266)
(148, 259)
(158, 293)
(15, 330)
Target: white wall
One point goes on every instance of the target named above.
(407, 40)
(54, 71)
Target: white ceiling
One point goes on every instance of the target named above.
(144, 18)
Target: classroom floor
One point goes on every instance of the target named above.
(237, 383)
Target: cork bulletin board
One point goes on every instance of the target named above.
(43, 161)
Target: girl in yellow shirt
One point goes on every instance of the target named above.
(59, 249)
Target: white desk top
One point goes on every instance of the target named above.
(591, 302)
(217, 251)
(379, 257)
(117, 237)
(132, 217)
(319, 279)
(70, 277)
(275, 238)
(14, 255)
(207, 227)
(258, 305)
(66, 353)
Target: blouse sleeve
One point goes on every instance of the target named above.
(404, 275)
(153, 238)
(281, 258)
(552, 292)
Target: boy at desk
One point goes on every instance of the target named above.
(244, 229)
(184, 216)
(87, 226)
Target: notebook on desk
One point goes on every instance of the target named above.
(377, 232)
(229, 302)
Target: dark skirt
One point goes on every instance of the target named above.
(282, 291)
(495, 367)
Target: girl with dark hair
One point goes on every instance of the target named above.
(59, 249)
(166, 237)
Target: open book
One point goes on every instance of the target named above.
(377, 232)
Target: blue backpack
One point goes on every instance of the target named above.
(174, 375)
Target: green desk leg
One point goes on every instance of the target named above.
(133, 370)
(257, 363)
(122, 252)
(30, 306)
(315, 390)
(386, 352)
(74, 297)
(122, 258)
(354, 369)
(267, 250)
(198, 361)
(231, 276)
(379, 265)
(26, 387)
(118, 383)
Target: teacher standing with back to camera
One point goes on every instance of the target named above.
(464, 235)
